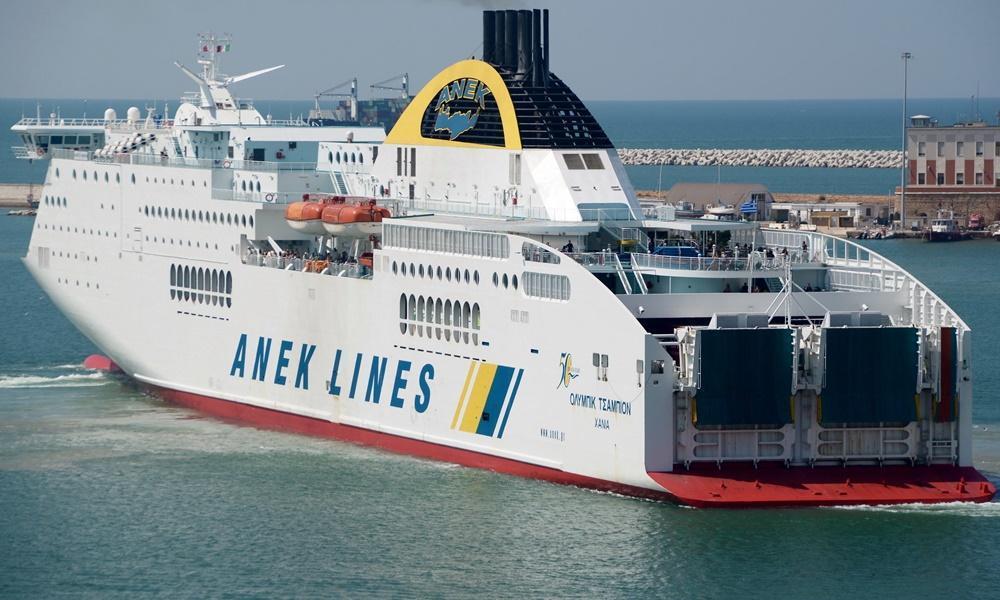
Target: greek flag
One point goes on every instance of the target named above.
(749, 207)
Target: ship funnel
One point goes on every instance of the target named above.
(517, 41)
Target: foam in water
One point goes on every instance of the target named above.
(58, 381)
(953, 509)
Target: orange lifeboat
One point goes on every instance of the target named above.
(305, 216)
(354, 220)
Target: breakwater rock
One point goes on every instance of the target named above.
(764, 157)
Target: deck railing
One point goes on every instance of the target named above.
(857, 268)
(140, 158)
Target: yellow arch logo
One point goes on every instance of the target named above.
(471, 83)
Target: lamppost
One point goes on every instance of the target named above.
(902, 167)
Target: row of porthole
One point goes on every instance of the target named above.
(354, 158)
(499, 280)
(99, 232)
(164, 181)
(446, 274)
(54, 201)
(66, 281)
(452, 320)
(244, 186)
(189, 283)
(201, 216)
(163, 240)
(107, 179)
(75, 256)
(118, 178)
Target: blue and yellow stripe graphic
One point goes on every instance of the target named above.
(487, 397)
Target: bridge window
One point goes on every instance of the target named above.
(573, 162)
(593, 161)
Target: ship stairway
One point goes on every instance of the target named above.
(622, 274)
(640, 281)
(177, 148)
(339, 183)
(774, 284)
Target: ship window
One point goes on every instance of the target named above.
(133, 178)
(251, 220)
(439, 273)
(421, 270)
(513, 281)
(413, 270)
(57, 139)
(173, 274)
(69, 139)
(573, 162)
(496, 280)
(229, 283)
(475, 277)
(243, 220)
(83, 140)
(466, 320)
(505, 281)
(329, 157)
(395, 268)
(106, 179)
(456, 319)
(57, 172)
(361, 158)
(593, 161)
(85, 176)
(467, 276)
(118, 177)
(413, 311)
(338, 158)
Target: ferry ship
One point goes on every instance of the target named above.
(481, 286)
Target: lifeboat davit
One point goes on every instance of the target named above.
(306, 216)
(354, 220)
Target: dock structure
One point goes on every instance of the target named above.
(761, 157)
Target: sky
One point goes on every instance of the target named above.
(621, 50)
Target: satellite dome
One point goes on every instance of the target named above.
(110, 114)
(133, 114)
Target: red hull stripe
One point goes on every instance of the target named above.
(741, 485)
(283, 421)
(733, 486)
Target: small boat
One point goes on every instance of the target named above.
(720, 213)
(354, 220)
(306, 216)
(944, 228)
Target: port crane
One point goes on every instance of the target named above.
(332, 92)
(403, 88)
